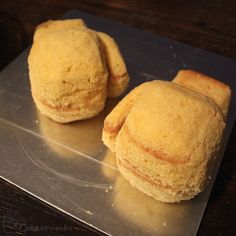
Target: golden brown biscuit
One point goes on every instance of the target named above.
(164, 136)
(118, 76)
(55, 25)
(73, 69)
(68, 75)
(206, 85)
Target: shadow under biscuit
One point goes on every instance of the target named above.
(81, 137)
(150, 215)
(140, 210)
(109, 167)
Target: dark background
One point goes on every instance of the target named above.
(210, 25)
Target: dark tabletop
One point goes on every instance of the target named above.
(210, 25)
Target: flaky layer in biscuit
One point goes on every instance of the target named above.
(115, 120)
(91, 104)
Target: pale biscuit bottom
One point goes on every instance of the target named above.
(68, 114)
(148, 186)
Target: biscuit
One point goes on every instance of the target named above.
(118, 76)
(68, 75)
(74, 69)
(218, 91)
(55, 25)
(164, 136)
